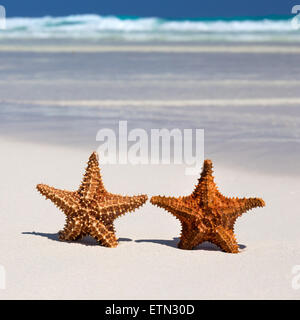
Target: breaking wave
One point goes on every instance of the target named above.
(152, 29)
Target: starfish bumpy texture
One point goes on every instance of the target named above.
(206, 215)
(91, 210)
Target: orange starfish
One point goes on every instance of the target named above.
(206, 215)
(91, 210)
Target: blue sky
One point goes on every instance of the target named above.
(159, 8)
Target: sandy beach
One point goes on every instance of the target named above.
(52, 104)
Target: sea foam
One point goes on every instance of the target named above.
(149, 29)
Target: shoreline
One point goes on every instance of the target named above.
(249, 49)
(102, 46)
(222, 161)
(246, 103)
(265, 102)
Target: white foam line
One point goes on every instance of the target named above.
(158, 81)
(153, 48)
(160, 103)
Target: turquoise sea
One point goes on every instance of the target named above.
(117, 28)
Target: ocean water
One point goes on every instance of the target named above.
(248, 104)
(95, 27)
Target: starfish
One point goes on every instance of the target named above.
(91, 210)
(206, 215)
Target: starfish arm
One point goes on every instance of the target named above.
(206, 179)
(102, 234)
(235, 207)
(225, 239)
(190, 238)
(67, 201)
(175, 206)
(207, 169)
(92, 182)
(248, 204)
(72, 230)
(119, 205)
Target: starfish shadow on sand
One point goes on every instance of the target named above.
(208, 246)
(87, 241)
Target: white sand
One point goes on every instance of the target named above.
(149, 266)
